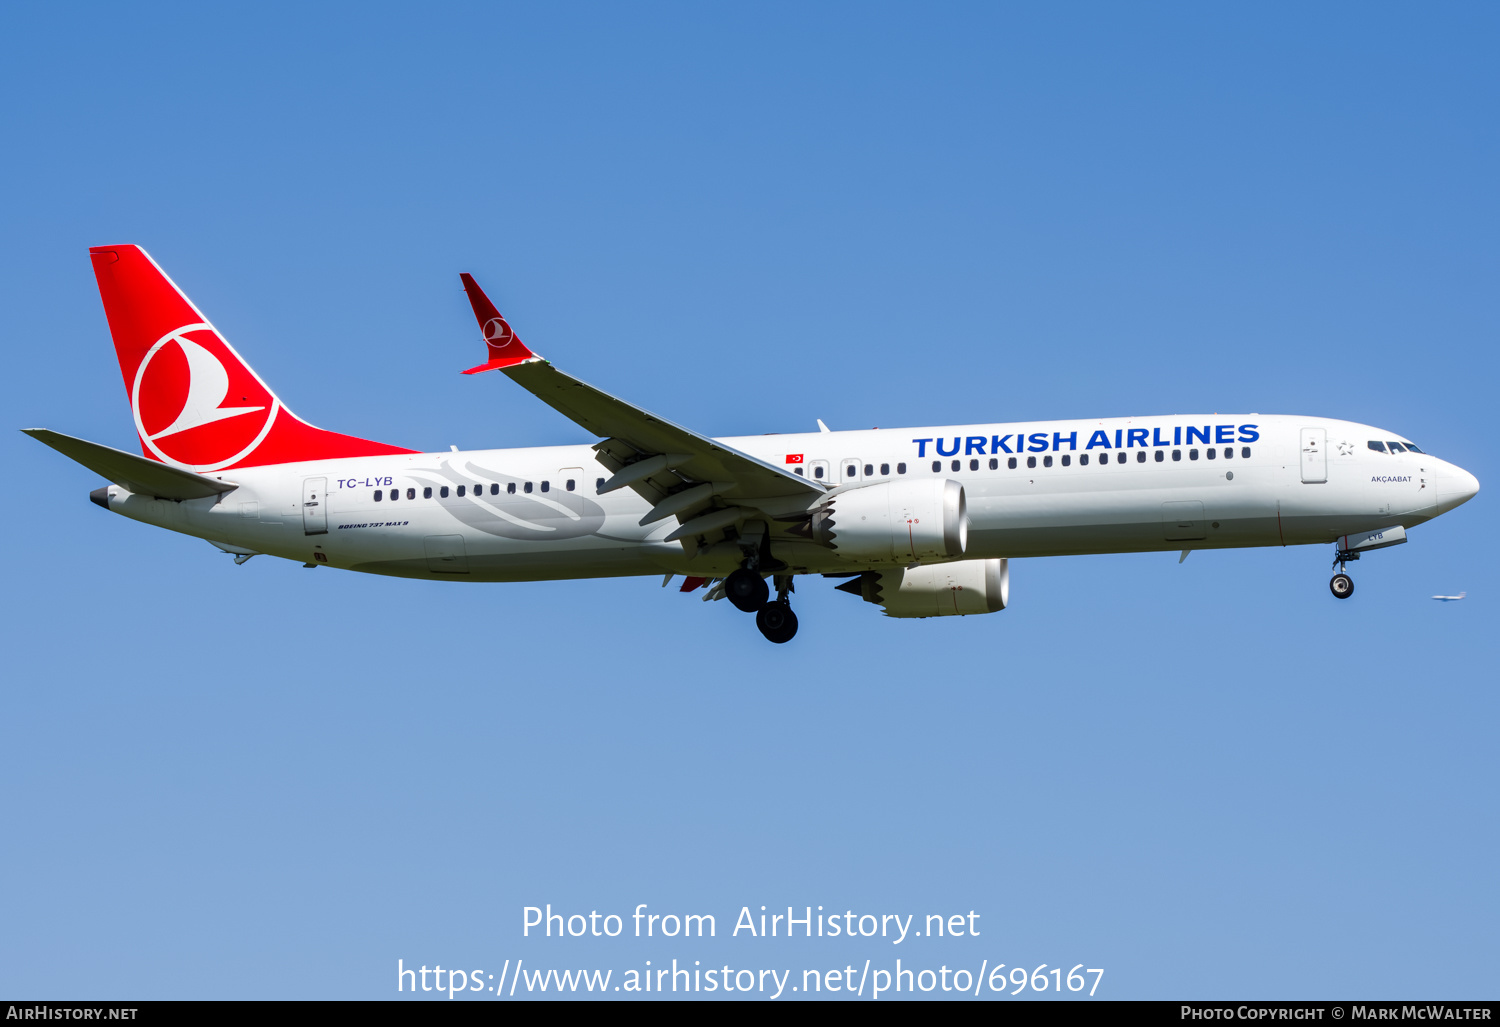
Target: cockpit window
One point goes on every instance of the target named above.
(1396, 447)
(1378, 447)
(1414, 449)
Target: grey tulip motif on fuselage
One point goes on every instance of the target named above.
(556, 513)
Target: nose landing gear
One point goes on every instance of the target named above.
(1341, 585)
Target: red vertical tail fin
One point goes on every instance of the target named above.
(196, 402)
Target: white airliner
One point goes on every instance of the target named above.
(1450, 599)
(921, 521)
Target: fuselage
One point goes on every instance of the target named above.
(1045, 488)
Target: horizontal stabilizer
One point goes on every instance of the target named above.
(136, 473)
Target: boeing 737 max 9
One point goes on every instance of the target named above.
(920, 521)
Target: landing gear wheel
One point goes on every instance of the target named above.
(1342, 586)
(777, 622)
(746, 590)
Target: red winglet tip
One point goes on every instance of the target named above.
(505, 346)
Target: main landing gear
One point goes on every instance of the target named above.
(1341, 585)
(747, 590)
(777, 621)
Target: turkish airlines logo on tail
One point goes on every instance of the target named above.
(196, 404)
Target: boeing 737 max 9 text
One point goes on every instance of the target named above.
(920, 521)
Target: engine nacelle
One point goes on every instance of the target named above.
(940, 590)
(895, 521)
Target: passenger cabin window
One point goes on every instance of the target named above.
(817, 472)
(1119, 458)
(973, 465)
(443, 492)
(599, 482)
(427, 492)
(1067, 459)
(1140, 456)
(460, 492)
(495, 487)
(526, 488)
(850, 471)
(411, 493)
(1378, 447)
(799, 472)
(546, 486)
(1192, 454)
(885, 469)
(937, 467)
(956, 464)
(377, 495)
(1211, 453)
(1228, 452)
(572, 484)
(1245, 452)
(1083, 460)
(510, 489)
(1031, 461)
(1047, 460)
(900, 468)
(994, 464)
(1011, 463)
(869, 470)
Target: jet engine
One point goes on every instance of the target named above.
(895, 521)
(938, 590)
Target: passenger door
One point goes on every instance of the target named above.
(314, 506)
(1314, 456)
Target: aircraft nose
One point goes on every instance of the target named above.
(1455, 487)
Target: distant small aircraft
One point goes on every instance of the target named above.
(1450, 599)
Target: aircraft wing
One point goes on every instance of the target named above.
(650, 454)
(136, 473)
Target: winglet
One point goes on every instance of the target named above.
(505, 348)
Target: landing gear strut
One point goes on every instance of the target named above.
(1341, 585)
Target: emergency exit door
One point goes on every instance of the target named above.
(1314, 455)
(314, 506)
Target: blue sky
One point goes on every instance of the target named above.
(1209, 779)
